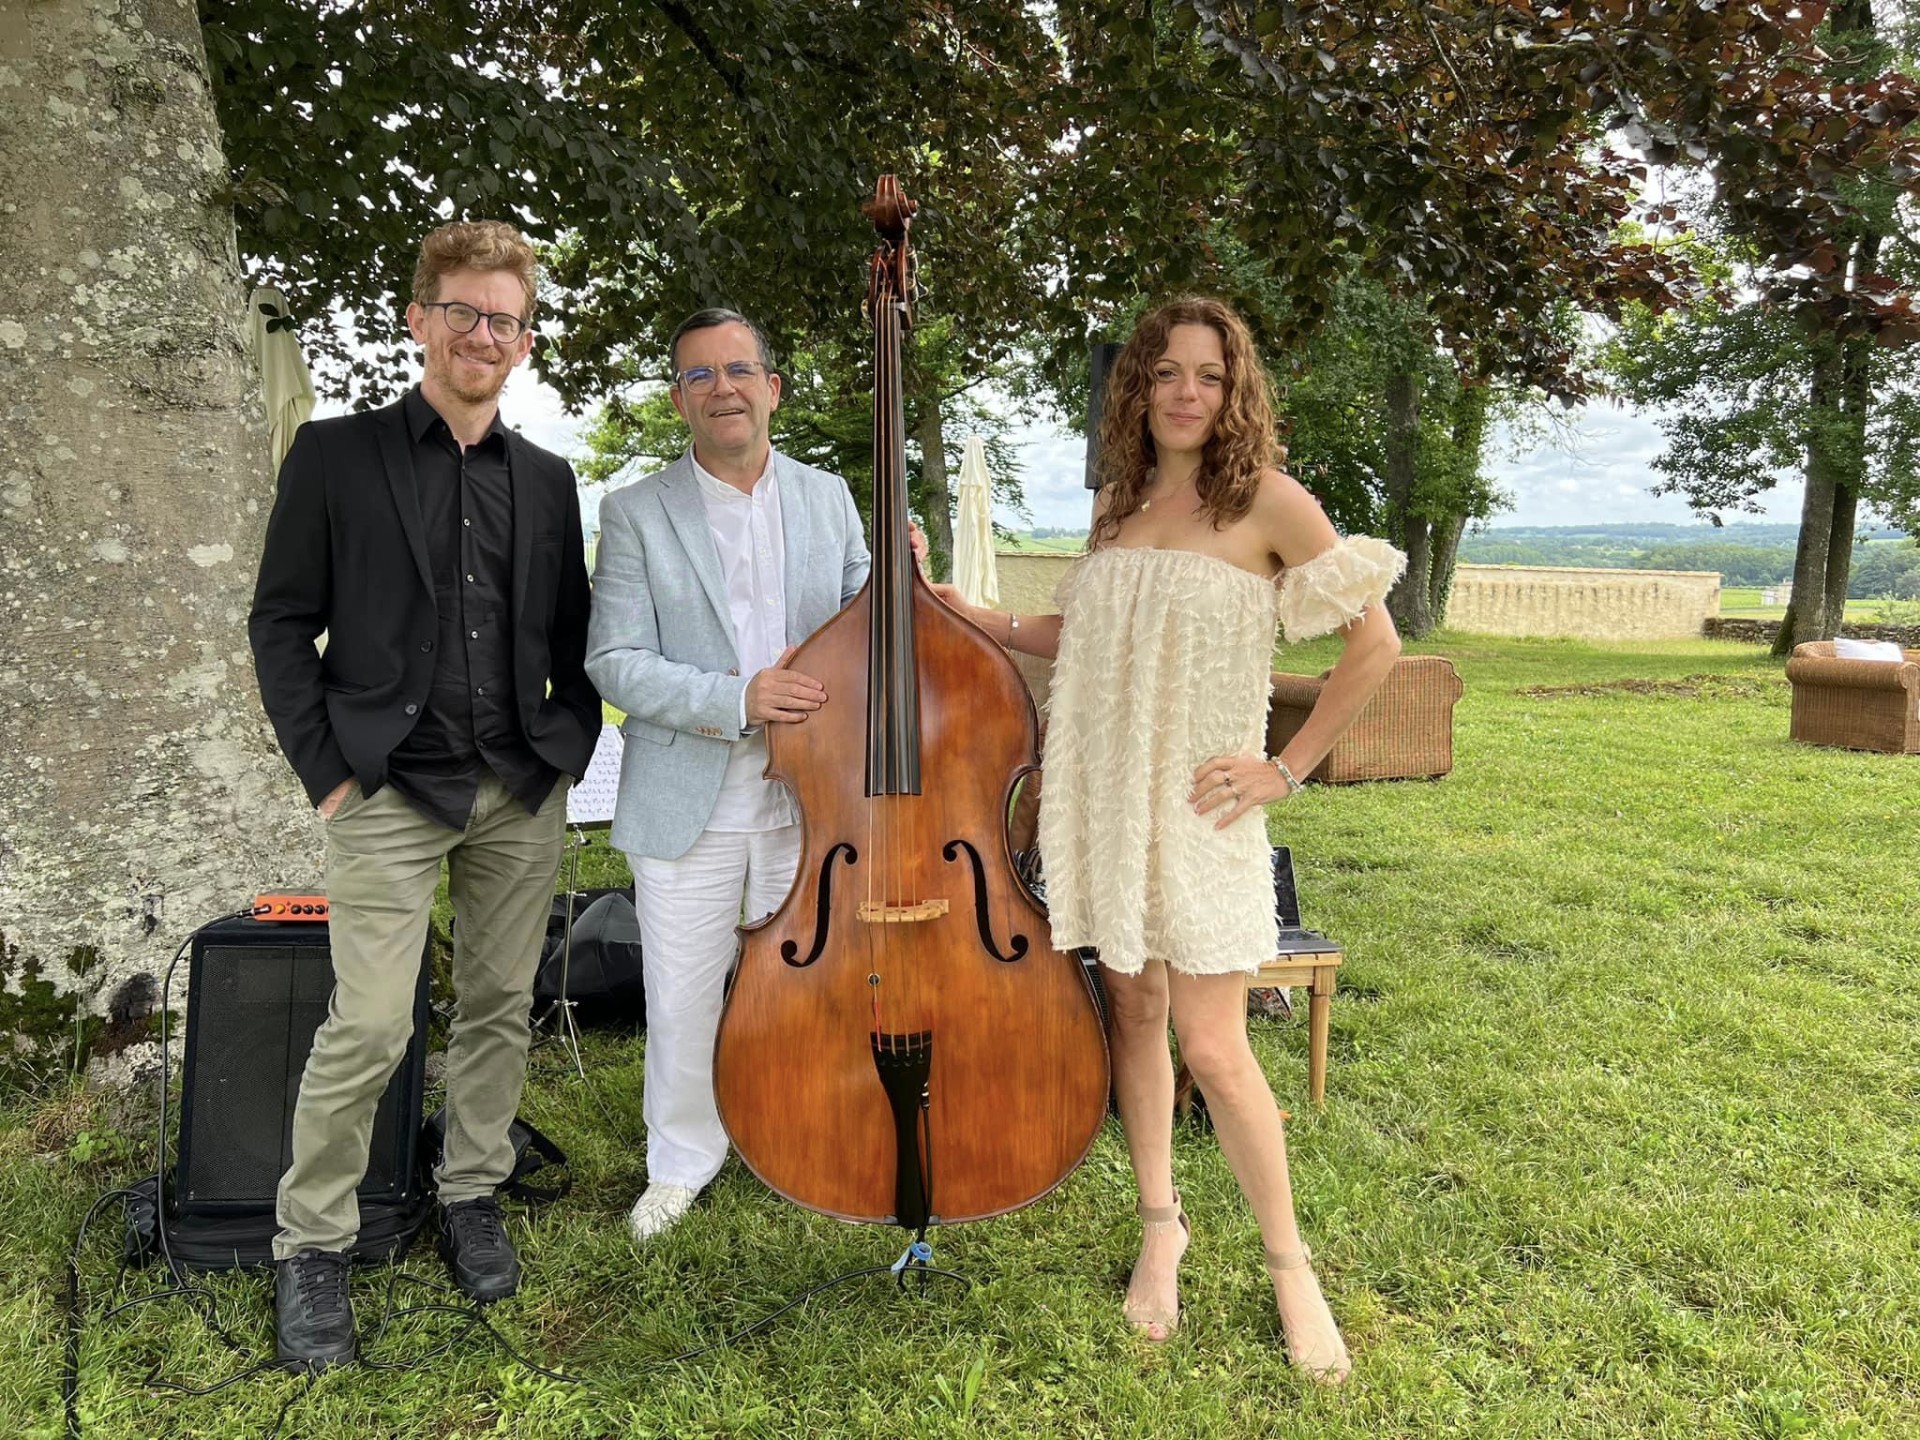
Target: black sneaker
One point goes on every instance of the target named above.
(313, 1319)
(474, 1243)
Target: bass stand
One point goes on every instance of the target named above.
(905, 1063)
(916, 1259)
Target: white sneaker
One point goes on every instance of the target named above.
(660, 1208)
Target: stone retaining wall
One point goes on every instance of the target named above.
(1026, 588)
(1594, 604)
(1492, 599)
(1027, 581)
(1762, 632)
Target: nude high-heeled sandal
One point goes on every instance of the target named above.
(1321, 1362)
(1152, 1322)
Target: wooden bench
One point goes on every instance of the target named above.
(1305, 957)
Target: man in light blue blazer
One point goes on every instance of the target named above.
(709, 572)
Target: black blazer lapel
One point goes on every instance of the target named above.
(398, 455)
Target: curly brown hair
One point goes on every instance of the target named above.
(1244, 442)
(473, 245)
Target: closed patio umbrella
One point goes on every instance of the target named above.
(283, 373)
(973, 567)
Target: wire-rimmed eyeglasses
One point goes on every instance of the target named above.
(700, 379)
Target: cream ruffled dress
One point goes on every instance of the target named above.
(1164, 663)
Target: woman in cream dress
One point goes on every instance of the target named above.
(1152, 828)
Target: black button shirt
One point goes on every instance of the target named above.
(470, 719)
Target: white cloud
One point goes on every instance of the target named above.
(1600, 471)
(1053, 476)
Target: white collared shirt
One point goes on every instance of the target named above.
(753, 564)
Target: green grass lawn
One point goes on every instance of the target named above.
(1619, 1142)
(1743, 603)
(1024, 544)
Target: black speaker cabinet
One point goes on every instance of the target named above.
(1099, 365)
(258, 993)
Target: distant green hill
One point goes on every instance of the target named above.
(1045, 541)
(1884, 562)
(1650, 533)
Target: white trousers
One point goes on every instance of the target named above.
(690, 909)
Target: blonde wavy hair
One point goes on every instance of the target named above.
(1244, 443)
(473, 245)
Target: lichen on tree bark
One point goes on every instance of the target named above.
(140, 789)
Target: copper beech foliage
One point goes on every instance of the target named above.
(672, 155)
(1072, 156)
(1484, 155)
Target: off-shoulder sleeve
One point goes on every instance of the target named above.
(1320, 595)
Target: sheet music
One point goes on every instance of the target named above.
(591, 801)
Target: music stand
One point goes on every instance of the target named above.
(590, 805)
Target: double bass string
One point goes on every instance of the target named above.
(876, 664)
(899, 671)
(879, 766)
(893, 664)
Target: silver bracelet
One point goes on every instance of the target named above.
(1013, 628)
(1294, 785)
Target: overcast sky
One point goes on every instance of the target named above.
(1601, 475)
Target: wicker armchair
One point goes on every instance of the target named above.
(1405, 731)
(1859, 704)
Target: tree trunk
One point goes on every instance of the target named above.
(1856, 399)
(1469, 438)
(1446, 553)
(1807, 617)
(1409, 603)
(936, 500)
(1836, 447)
(1846, 503)
(141, 792)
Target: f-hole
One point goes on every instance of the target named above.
(823, 910)
(982, 916)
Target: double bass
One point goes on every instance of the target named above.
(901, 1041)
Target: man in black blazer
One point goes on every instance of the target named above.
(444, 717)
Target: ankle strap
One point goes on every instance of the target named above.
(1293, 1261)
(1160, 1214)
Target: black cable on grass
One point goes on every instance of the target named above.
(156, 1381)
(72, 1304)
(473, 1315)
(74, 1300)
(477, 1320)
(802, 1298)
(280, 1416)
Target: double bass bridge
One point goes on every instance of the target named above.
(874, 912)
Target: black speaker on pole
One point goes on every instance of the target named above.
(258, 992)
(1100, 360)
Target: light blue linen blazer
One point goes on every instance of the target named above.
(660, 640)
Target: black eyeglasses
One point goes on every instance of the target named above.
(700, 379)
(503, 325)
